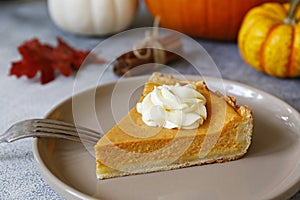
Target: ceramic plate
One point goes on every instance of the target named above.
(270, 169)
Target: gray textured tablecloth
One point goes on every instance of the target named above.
(22, 99)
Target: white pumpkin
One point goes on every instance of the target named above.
(92, 17)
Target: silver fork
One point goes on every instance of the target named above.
(51, 129)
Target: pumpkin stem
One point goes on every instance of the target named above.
(292, 12)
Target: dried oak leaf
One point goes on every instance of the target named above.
(43, 58)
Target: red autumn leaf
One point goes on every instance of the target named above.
(43, 58)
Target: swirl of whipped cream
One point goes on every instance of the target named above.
(173, 106)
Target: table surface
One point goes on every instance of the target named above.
(23, 99)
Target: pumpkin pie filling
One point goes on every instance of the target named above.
(132, 147)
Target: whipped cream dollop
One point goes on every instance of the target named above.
(173, 106)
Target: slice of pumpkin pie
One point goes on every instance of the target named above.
(175, 124)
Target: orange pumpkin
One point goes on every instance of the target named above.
(211, 19)
(269, 39)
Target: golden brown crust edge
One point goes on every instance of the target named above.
(171, 167)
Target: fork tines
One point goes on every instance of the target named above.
(59, 127)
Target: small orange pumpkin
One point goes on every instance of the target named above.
(269, 39)
(212, 19)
